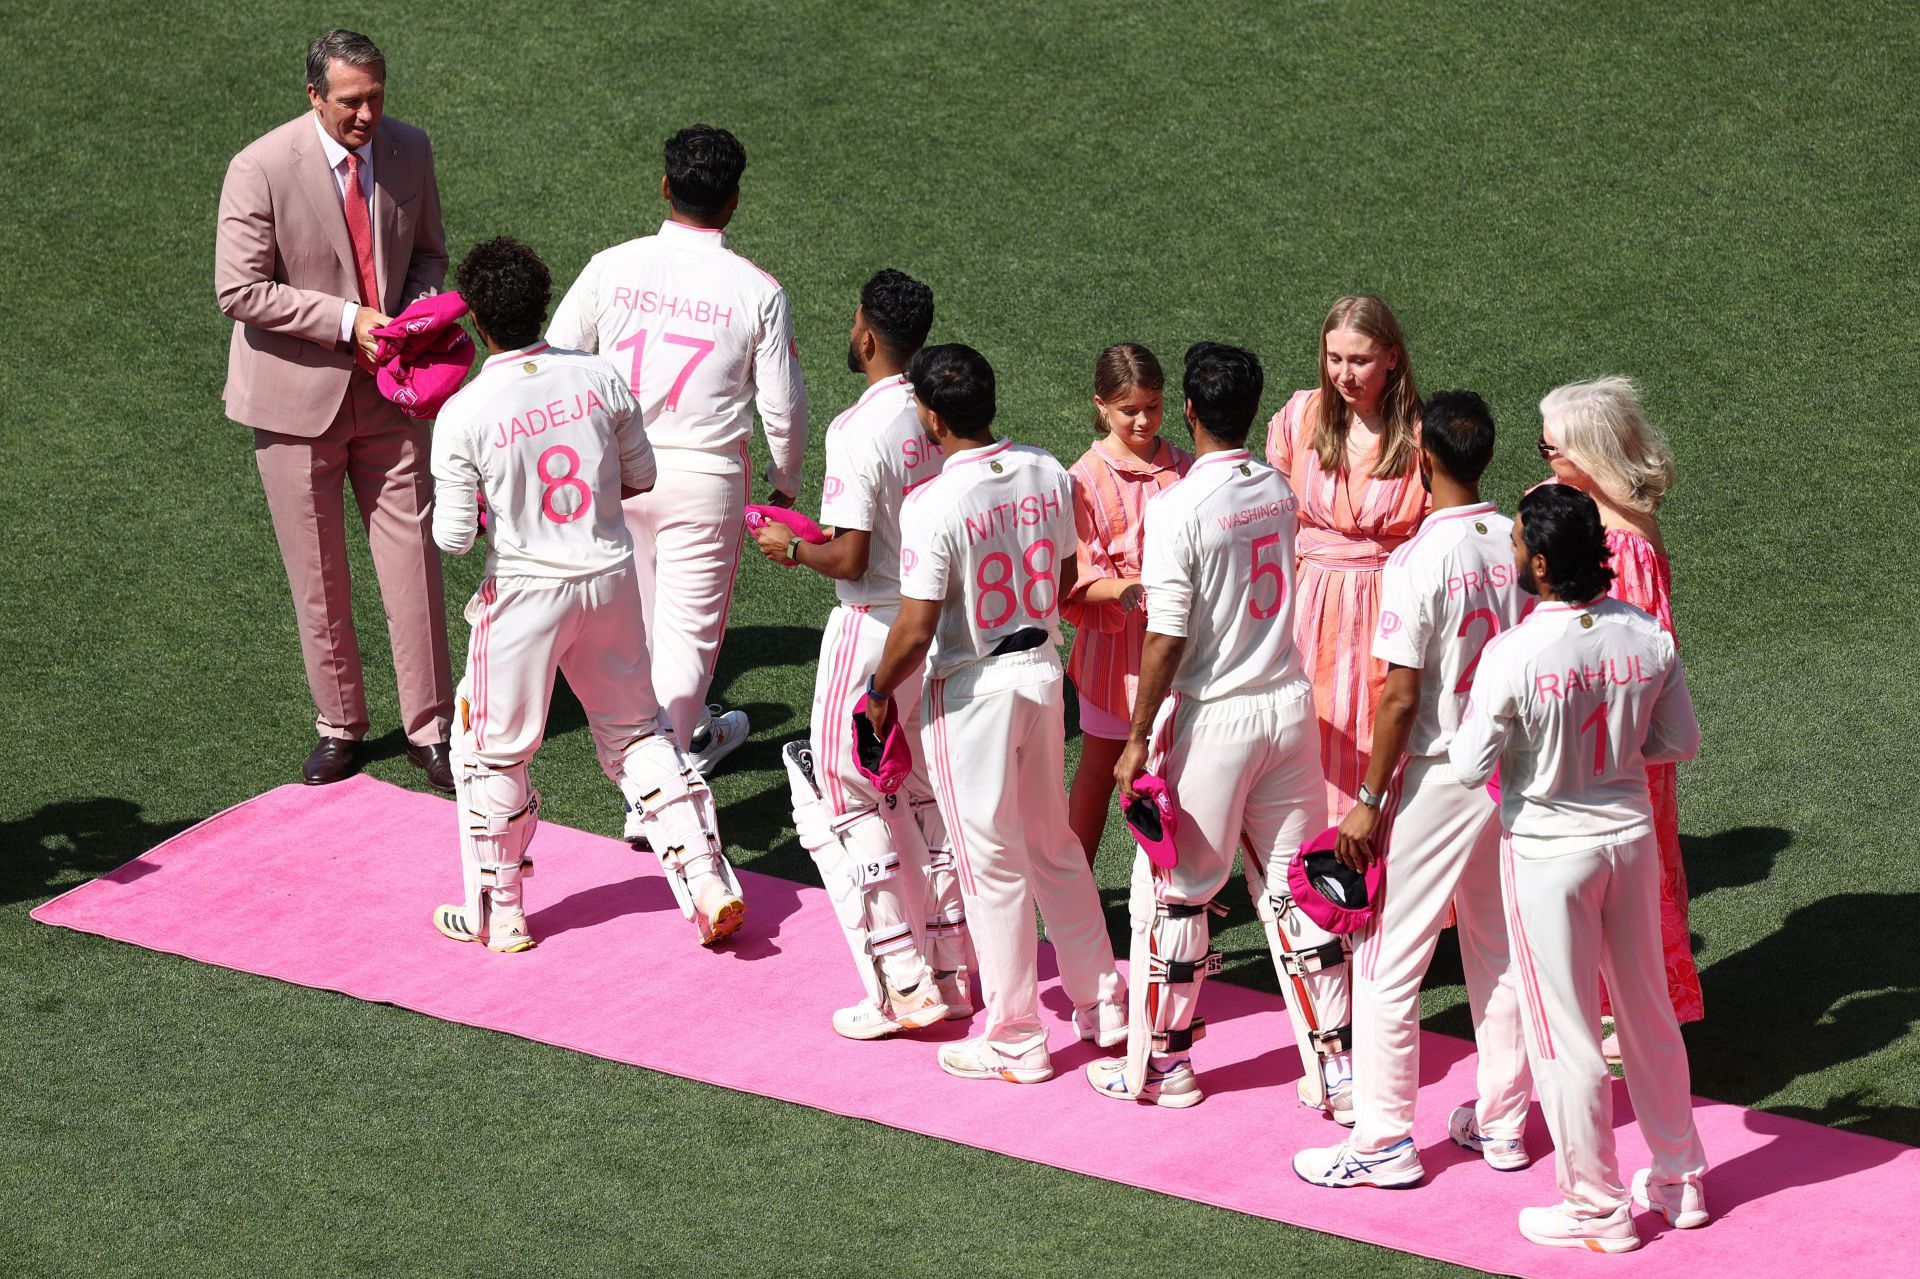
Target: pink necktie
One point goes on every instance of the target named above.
(360, 231)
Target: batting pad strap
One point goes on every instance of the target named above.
(1178, 972)
(490, 871)
(1331, 1043)
(889, 941)
(1300, 963)
(1179, 1041)
(1187, 910)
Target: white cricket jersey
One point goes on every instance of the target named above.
(986, 537)
(546, 437)
(1444, 594)
(1217, 566)
(699, 332)
(877, 453)
(1573, 704)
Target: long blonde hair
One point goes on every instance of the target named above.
(1368, 316)
(1604, 431)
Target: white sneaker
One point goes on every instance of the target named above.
(1555, 1227)
(908, 1010)
(1174, 1086)
(1340, 1101)
(1504, 1154)
(981, 1059)
(717, 911)
(1103, 1024)
(955, 993)
(1395, 1168)
(1684, 1206)
(718, 738)
(506, 933)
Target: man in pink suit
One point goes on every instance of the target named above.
(328, 225)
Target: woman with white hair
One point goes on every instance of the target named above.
(1596, 438)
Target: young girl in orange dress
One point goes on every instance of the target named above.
(1112, 481)
(1347, 448)
(1596, 438)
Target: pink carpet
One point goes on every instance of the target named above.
(618, 974)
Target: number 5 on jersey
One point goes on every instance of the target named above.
(1266, 563)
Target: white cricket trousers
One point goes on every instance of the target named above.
(1442, 848)
(1578, 911)
(995, 733)
(526, 628)
(1245, 774)
(686, 550)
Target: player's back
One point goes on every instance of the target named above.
(1446, 593)
(542, 427)
(683, 317)
(987, 536)
(877, 453)
(1219, 553)
(1593, 691)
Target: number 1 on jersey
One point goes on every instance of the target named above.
(1598, 723)
(701, 348)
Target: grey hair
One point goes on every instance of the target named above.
(349, 47)
(1604, 431)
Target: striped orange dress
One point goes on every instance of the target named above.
(1110, 492)
(1349, 524)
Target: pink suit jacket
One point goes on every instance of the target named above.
(282, 264)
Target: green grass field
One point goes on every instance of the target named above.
(1713, 198)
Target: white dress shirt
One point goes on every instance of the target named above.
(337, 161)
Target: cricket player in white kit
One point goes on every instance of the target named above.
(1236, 741)
(1445, 594)
(549, 440)
(987, 552)
(1572, 705)
(885, 860)
(703, 337)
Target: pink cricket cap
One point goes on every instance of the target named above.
(1151, 817)
(424, 355)
(758, 517)
(883, 761)
(1334, 896)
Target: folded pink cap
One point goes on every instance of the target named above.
(758, 517)
(424, 355)
(1334, 896)
(1151, 817)
(883, 761)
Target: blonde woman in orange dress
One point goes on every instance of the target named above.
(1112, 481)
(1348, 449)
(1596, 438)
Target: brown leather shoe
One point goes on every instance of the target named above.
(332, 760)
(437, 759)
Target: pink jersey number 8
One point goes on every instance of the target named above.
(570, 479)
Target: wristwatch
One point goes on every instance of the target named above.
(1367, 797)
(874, 694)
(793, 550)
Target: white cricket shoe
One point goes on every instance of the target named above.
(982, 1059)
(1556, 1227)
(718, 738)
(717, 910)
(955, 993)
(1104, 1024)
(1684, 1206)
(1340, 1102)
(1508, 1154)
(1174, 1086)
(1342, 1167)
(905, 1010)
(505, 932)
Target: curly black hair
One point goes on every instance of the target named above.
(1561, 523)
(704, 165)
(507, 288)
(956, 382)
(899, 309)
(1224, 384)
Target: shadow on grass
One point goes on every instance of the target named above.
(74, 837)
